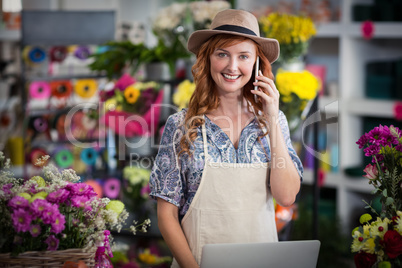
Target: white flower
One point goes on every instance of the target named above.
(205, 11)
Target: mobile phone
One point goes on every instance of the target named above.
(257, 68)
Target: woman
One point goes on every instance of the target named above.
(223, 160)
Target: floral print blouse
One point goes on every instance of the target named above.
(176, 180)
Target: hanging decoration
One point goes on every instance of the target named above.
(85, 88)
(39, 90)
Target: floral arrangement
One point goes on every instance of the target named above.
(296, 90)
(54, 211)
(183, 93)
(130, 97)
(136, 187)
(293, 33)
(379, 242)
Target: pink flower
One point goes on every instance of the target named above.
(21, 220)
(81, 189)
(371, 172)
(58, 224)
(52, 243)
(124, 81)
(398, 110)
(367, 29)
(18, 202)
(39, 206)
(145, 190)
(59, 196)
(79, 201)
(35, 230)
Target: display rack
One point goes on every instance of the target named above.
(56, 32)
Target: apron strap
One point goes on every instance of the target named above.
(204, 137)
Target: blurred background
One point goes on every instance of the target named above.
(73, 73)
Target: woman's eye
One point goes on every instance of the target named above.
(221, 55)
(243, 57)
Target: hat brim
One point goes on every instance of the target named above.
(269, 46)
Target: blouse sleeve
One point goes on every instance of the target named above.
(286, 134)
(166, 179)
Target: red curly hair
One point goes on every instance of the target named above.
(205, 97)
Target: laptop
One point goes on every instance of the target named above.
(283, 254)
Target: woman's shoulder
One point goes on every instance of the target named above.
(177, 118)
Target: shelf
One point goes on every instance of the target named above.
(330, 29)
(337, 180)
(10, 35)
(329, 105)
(371, 107)
(332, 180)
(381, 29)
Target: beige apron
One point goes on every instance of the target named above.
(232, 205)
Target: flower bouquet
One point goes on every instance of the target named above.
(53, 213)
(183, 94)
(292, 32)
(296, 90)
(136, 189)
(132, 108)
(379, 242)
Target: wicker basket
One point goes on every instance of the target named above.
(47, 259)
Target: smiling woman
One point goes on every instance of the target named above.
(216, 154)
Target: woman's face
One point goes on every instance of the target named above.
(232, 67)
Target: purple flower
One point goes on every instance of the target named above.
(50, 213)
(373, 149)
(35, 230)
(59, 196)
(52, 243)
(18, 202)
(398, 147)
(39, 206)
(21, 220)
(7, 187)
(362, 141)
(58, 224)
(79, 201)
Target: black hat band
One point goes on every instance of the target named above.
(235, 28)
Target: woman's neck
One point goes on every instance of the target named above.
(230, 105)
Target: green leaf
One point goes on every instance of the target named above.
(389, 201)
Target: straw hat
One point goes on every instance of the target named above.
(235, 22)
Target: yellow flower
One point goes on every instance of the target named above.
(147, 257)
(304, 84)
(116, 206)
(25, 195)
(369, 246)
(287, 28)
(86, 88)
(379, 227)
(398, 226)
(365, 218)
(39, 180)
(131, 94)
(183, 94)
